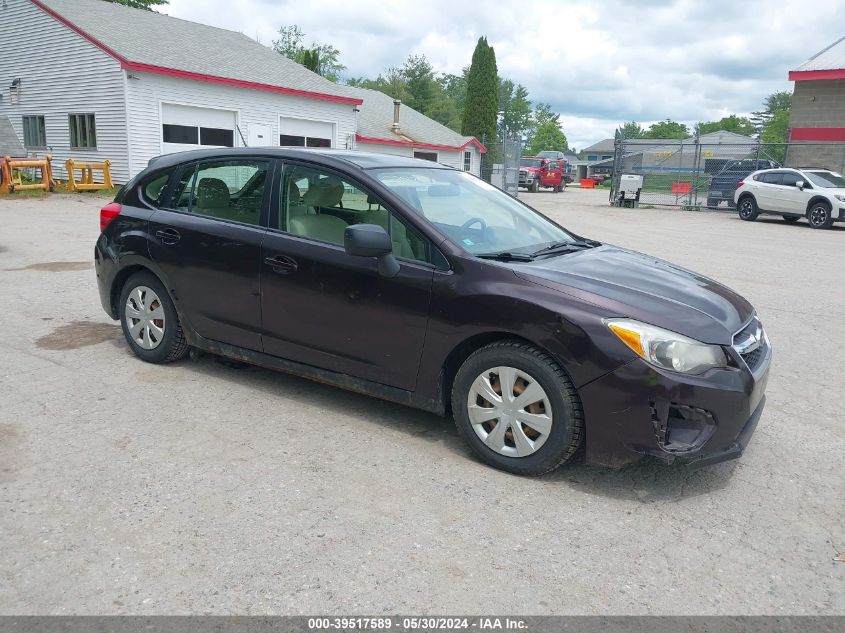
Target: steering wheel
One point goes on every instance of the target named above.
(472, 221)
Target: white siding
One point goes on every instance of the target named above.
(451, 158)
(146, 94)
(61, 72)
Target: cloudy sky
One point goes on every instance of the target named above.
(597, 63)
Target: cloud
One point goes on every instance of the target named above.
(598, 64)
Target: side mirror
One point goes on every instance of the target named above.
(371, 240)
(800, 185)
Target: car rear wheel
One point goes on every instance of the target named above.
(791, 219)
(517, 409)
(149, 320)
(748, 209)
(820, 216)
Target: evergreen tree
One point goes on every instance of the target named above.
(631, 129)
(140, 4)
(482, 103)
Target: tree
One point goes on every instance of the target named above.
(515, 108)
(732, 123)
(327, 57)
(140, 4)
(775, 103)
(481, 105)
(631, 129)
(667, 129)
(420, 83)
(777, 128)
(542, 114)
(548, 136)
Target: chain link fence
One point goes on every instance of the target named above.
(500, 165)
(688, 173)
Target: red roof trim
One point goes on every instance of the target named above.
(817, 134)
(452, 148)
(184, 74)
(238, 83)
(816, 75)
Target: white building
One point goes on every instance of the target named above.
(92, 80)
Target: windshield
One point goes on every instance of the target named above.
(530, 162)
(826, 179)
(473, 214)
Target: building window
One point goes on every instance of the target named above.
(467, 161)
(592, 157)
(219, 137)
(182, 134)
(34, 132)
(83, 131)
(292, 140)
(432, 156)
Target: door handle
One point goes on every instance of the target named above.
(168, 236)
(281, 264)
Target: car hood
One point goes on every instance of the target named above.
(638, 286)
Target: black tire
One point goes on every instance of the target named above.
(172, 346)
(820, 216)
(567, 428)
(747, 209)
(791, 219)
(535, 186)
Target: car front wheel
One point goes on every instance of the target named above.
(748, 209)
(517, 409)
(820, 216)
(149, 320)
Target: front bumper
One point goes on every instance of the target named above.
(639, 410)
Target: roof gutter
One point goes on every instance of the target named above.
(184, 74)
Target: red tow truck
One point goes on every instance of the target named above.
(536, 172)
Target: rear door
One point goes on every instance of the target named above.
(769, 191)
(207, 243)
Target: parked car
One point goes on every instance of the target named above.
(817, 194)
(536, 172)
(424, 285)
(725, 174)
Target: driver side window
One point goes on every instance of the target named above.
(320, 205)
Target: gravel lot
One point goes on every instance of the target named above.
(204, 487)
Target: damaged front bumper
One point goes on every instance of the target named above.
(640, 410)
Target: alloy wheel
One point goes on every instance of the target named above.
(818, 215)
(509, 411)
(746, 209)
(144, 316)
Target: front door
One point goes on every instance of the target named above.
(793, 199)
(207, 242)
(331, 310)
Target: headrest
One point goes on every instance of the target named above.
(212, 193)
(326, 192)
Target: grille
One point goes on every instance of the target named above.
(745, 338)
(752, 359)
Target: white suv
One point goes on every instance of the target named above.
(817, 194)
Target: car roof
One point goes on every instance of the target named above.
(326, 156)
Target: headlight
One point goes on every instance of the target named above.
(840, 198)
(666, 349)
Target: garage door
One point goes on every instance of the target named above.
(305, 133)
(187, 127)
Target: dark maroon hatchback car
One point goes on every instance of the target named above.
(424, 285)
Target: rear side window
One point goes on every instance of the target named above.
(228, 190)
(772, 178)
(153, 188)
